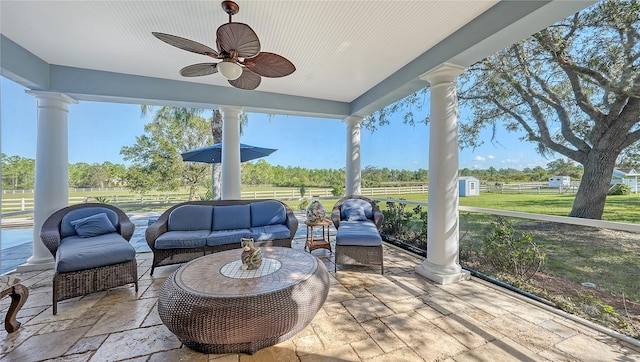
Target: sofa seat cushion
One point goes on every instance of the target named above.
(182, 239)
(270, 232)
(76, 253)
(190, 217)
(224, 237)
(231, 217)
(358, 233)
(269, 212)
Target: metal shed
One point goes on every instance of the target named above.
(468, 186)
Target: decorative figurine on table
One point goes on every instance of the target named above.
(251, 257)
(316, 211)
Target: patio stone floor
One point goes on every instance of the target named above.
(398, 316)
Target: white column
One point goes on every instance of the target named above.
(52, 169)
(231, 153)
(352, 166)
(442, 264)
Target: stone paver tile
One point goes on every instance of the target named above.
(123, 316)
(338, 293)
(12, 340)
(281, 352)
(338, 329)
(46, 346)
(400, 355)
(87, 344)
(57, 326)
(354, 279)
(367, 348)
(36, 299)
(79, 357)
(68, 309)
(360, 292)
(479, 313)
(387, 341)
(531, 313)
(557, 328)
(308, 344)
(427, 340)
(467, 331)
(332, 309)
(135, 343)
(556, 355)
(405, 305)
(429, 313)
(153, 318)
(224, 357)
(391, 292)
(524, 332)
(446, 303)
(503, 350)
(581, 345)
(341, 353)
(374, 326)
(183, 354)
(364, 309)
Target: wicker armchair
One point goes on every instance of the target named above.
(358, 240)
(103, 261)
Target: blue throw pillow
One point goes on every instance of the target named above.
(93, 225)
(356, 214)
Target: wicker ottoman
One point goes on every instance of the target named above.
(213, 306)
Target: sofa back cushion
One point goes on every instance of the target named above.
(268, 212)
(231, 217)
(352, 207)
(66, 229)
(190, 217)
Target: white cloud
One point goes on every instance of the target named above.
(491, 157)
(478, 158)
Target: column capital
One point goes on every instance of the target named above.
(353, 120)
(445, 72)
(230, 111)
(52, 96)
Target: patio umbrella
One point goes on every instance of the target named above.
(213, 154)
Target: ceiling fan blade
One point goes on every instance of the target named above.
(248, 80)
(239, 37)
(270, 65)
(186, 44)
(198, 70)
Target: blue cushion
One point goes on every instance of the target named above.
(270, 232)
(182, 239)
(231, 217)
(360, 233)
(224, 237)
(76, 253)
(94, 225)
(356, 214)
(66, 229)
(351, 204)
(190, 217)
(268, 212)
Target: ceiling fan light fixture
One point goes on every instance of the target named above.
(230, 70)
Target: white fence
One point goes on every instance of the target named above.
(23, 205)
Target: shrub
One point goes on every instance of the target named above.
(509, 251)
(619, 189)
(303, 205)
(102, 199)
(396, 220)
(337, 190)
(303, 191)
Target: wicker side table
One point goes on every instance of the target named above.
(213, 306)
(315, 242)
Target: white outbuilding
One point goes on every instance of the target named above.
(468, 186)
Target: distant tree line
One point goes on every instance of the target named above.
(18, 174)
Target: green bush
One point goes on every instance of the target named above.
(303, 190)
(619, 189)
(396, 220)
(303, 205)
(337, 190)
(511, 252)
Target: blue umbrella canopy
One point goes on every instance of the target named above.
(213, 154)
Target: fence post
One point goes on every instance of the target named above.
(22, 204)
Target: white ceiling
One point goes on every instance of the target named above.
(357, 53)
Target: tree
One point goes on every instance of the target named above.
(156, 155)
(573, 88)
(561, 167)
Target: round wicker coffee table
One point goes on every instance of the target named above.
(213, 306)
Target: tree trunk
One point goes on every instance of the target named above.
(596, 180)
(216, 168)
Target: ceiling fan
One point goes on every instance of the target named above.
(242, 63)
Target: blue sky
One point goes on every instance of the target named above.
(97, 132)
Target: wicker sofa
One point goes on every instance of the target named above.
(193, 229)
(90, 244)
(357, 220)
